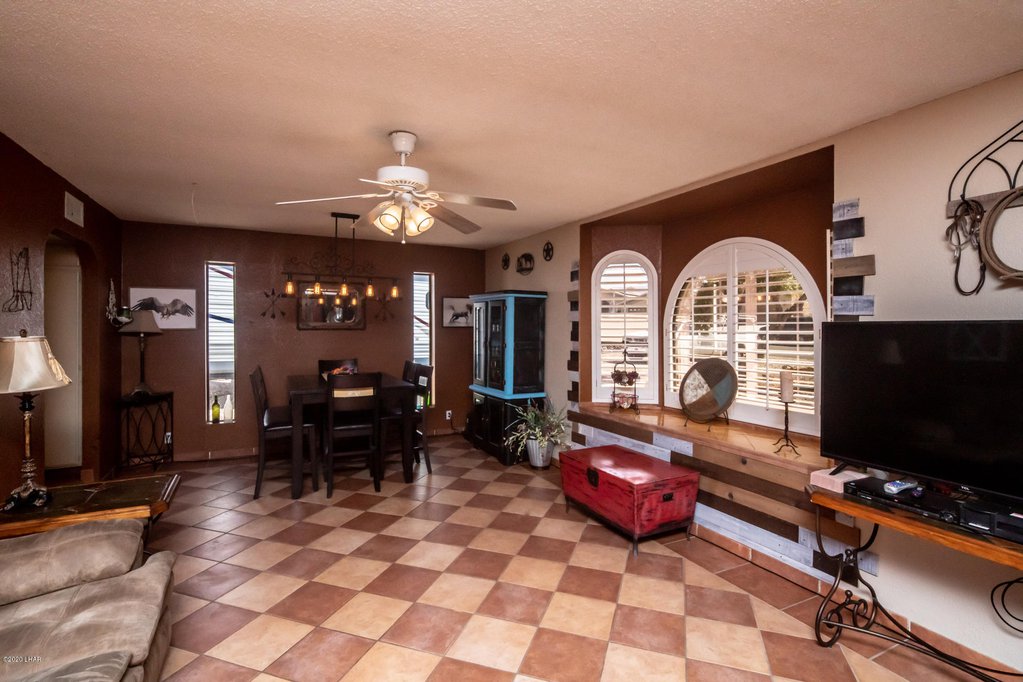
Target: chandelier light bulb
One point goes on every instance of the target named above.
(337, 300)
(289, 286)
(317, 289)
(394, 290)
(370, 291)
(344, 288)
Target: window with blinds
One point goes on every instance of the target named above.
(625, 325)
(422, 318)
(220, 339)
(747, 303)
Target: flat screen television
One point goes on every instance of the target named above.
(940, 401)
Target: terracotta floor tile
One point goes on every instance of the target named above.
(761, 583)
(263, 527)
(563, 657)
(451, 670)
(340, 540)
(649, 629)
(176, 660)
(449, 471)
(187, 566)
(491, 642)
(402, 582)
(262, 592)
(528, 506)
(384, 548)
(453, 534)
(413, 529)
(770, 619)
(262, 555)
(485, 501)
(418, 492)
(505, 541)
(389, 662)
(223, 547)
(297, 510)
(432, 555)
(725, 644)
(600, 535)
(229, 501)
(579, 615)
(321, 656)
(546, 494)
(480, 563)
(914, 666)
(560, 529)
(511, 476)
(588, 582)
(209, 626)
(654, 566)
(516, 602)
(359, 501)
(352, 572)
(371, 522)
(458, 592)
(226, 521)
(312, 603)
(547, 548)
(803, 659)
(301, 534)
(183, 539)
(514, 522)
(473, 516)
(701, 671)
(432, 511)
(215, 581)
(204, 668)
(628, 664)
(260, 642)
(653, 593)
(456, 498)
(181, 605)
(427, 628)
(730, 607)
(538, 573)
(599, 557)
(468, 485)
(367, 615)
(396, 506)
(305, 563)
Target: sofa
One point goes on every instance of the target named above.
(79, 603)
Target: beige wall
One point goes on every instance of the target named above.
(550, 276)
(899, 167)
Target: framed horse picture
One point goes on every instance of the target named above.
(457, 312)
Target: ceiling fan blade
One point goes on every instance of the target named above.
(457, 198)
(377, 182)
(463, 225)
(350, 196)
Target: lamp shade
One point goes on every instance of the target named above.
(27, 364)
(144, 323)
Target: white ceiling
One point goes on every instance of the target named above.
(209, 111)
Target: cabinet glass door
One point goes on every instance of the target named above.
(495, 344)
(479, 344)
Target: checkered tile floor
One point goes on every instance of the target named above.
(476, 572)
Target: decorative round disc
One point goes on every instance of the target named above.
(505, 261)
(548, 251)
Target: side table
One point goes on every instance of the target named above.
(147, 428)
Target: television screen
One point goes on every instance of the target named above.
(942, 401)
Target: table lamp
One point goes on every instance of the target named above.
(27, 366)
(143, 324)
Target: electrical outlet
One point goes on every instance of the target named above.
(167, 438)
(447, 415)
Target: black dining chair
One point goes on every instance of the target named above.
(274, 423)
(408, 370)
(421, 376)
(353, 417)
(349, 365)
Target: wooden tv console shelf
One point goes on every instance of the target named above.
(860, 614)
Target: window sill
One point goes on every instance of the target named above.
(739, 438)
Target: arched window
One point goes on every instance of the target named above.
(624, 322)
(751, 302)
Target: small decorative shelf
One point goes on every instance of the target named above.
(625, 376)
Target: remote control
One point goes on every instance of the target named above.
(896, 487)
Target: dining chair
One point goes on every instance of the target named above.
(421, 377)
(353, 415)
(407, 371)
(275, 423)
(350, 365)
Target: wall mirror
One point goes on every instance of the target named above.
(708, 389)
(331, 310)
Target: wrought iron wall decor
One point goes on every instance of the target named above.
(21, 283)
(524, 264)
(331, 288)
(273, 298)
(548, 251)
(974, 216)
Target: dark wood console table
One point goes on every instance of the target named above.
(147, 428)
(860, 614)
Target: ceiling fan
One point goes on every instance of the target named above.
(407, 204)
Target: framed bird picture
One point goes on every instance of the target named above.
(173, 308)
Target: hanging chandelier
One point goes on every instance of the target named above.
(337, 278)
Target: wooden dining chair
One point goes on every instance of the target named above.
(275, 423)
(421, 376)
(350, 365)
(353, 416)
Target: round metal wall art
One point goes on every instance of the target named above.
(524, 264)
(505, 261)
(548, 251)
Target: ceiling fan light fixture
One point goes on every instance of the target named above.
(417, 221)
(389, 219)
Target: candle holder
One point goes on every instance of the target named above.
(785, 441)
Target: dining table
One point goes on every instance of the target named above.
(311, 389)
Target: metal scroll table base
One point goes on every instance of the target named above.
(860, 614)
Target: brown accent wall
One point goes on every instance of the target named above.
(788, 203)
(31, 209)
(173, 256)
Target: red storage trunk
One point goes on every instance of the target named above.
(636, 494)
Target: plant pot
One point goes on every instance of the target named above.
(539, 457)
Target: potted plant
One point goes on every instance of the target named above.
(538, 429)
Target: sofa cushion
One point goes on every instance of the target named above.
(116, 614)
(72, 555)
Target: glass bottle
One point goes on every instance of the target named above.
(216, 410)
